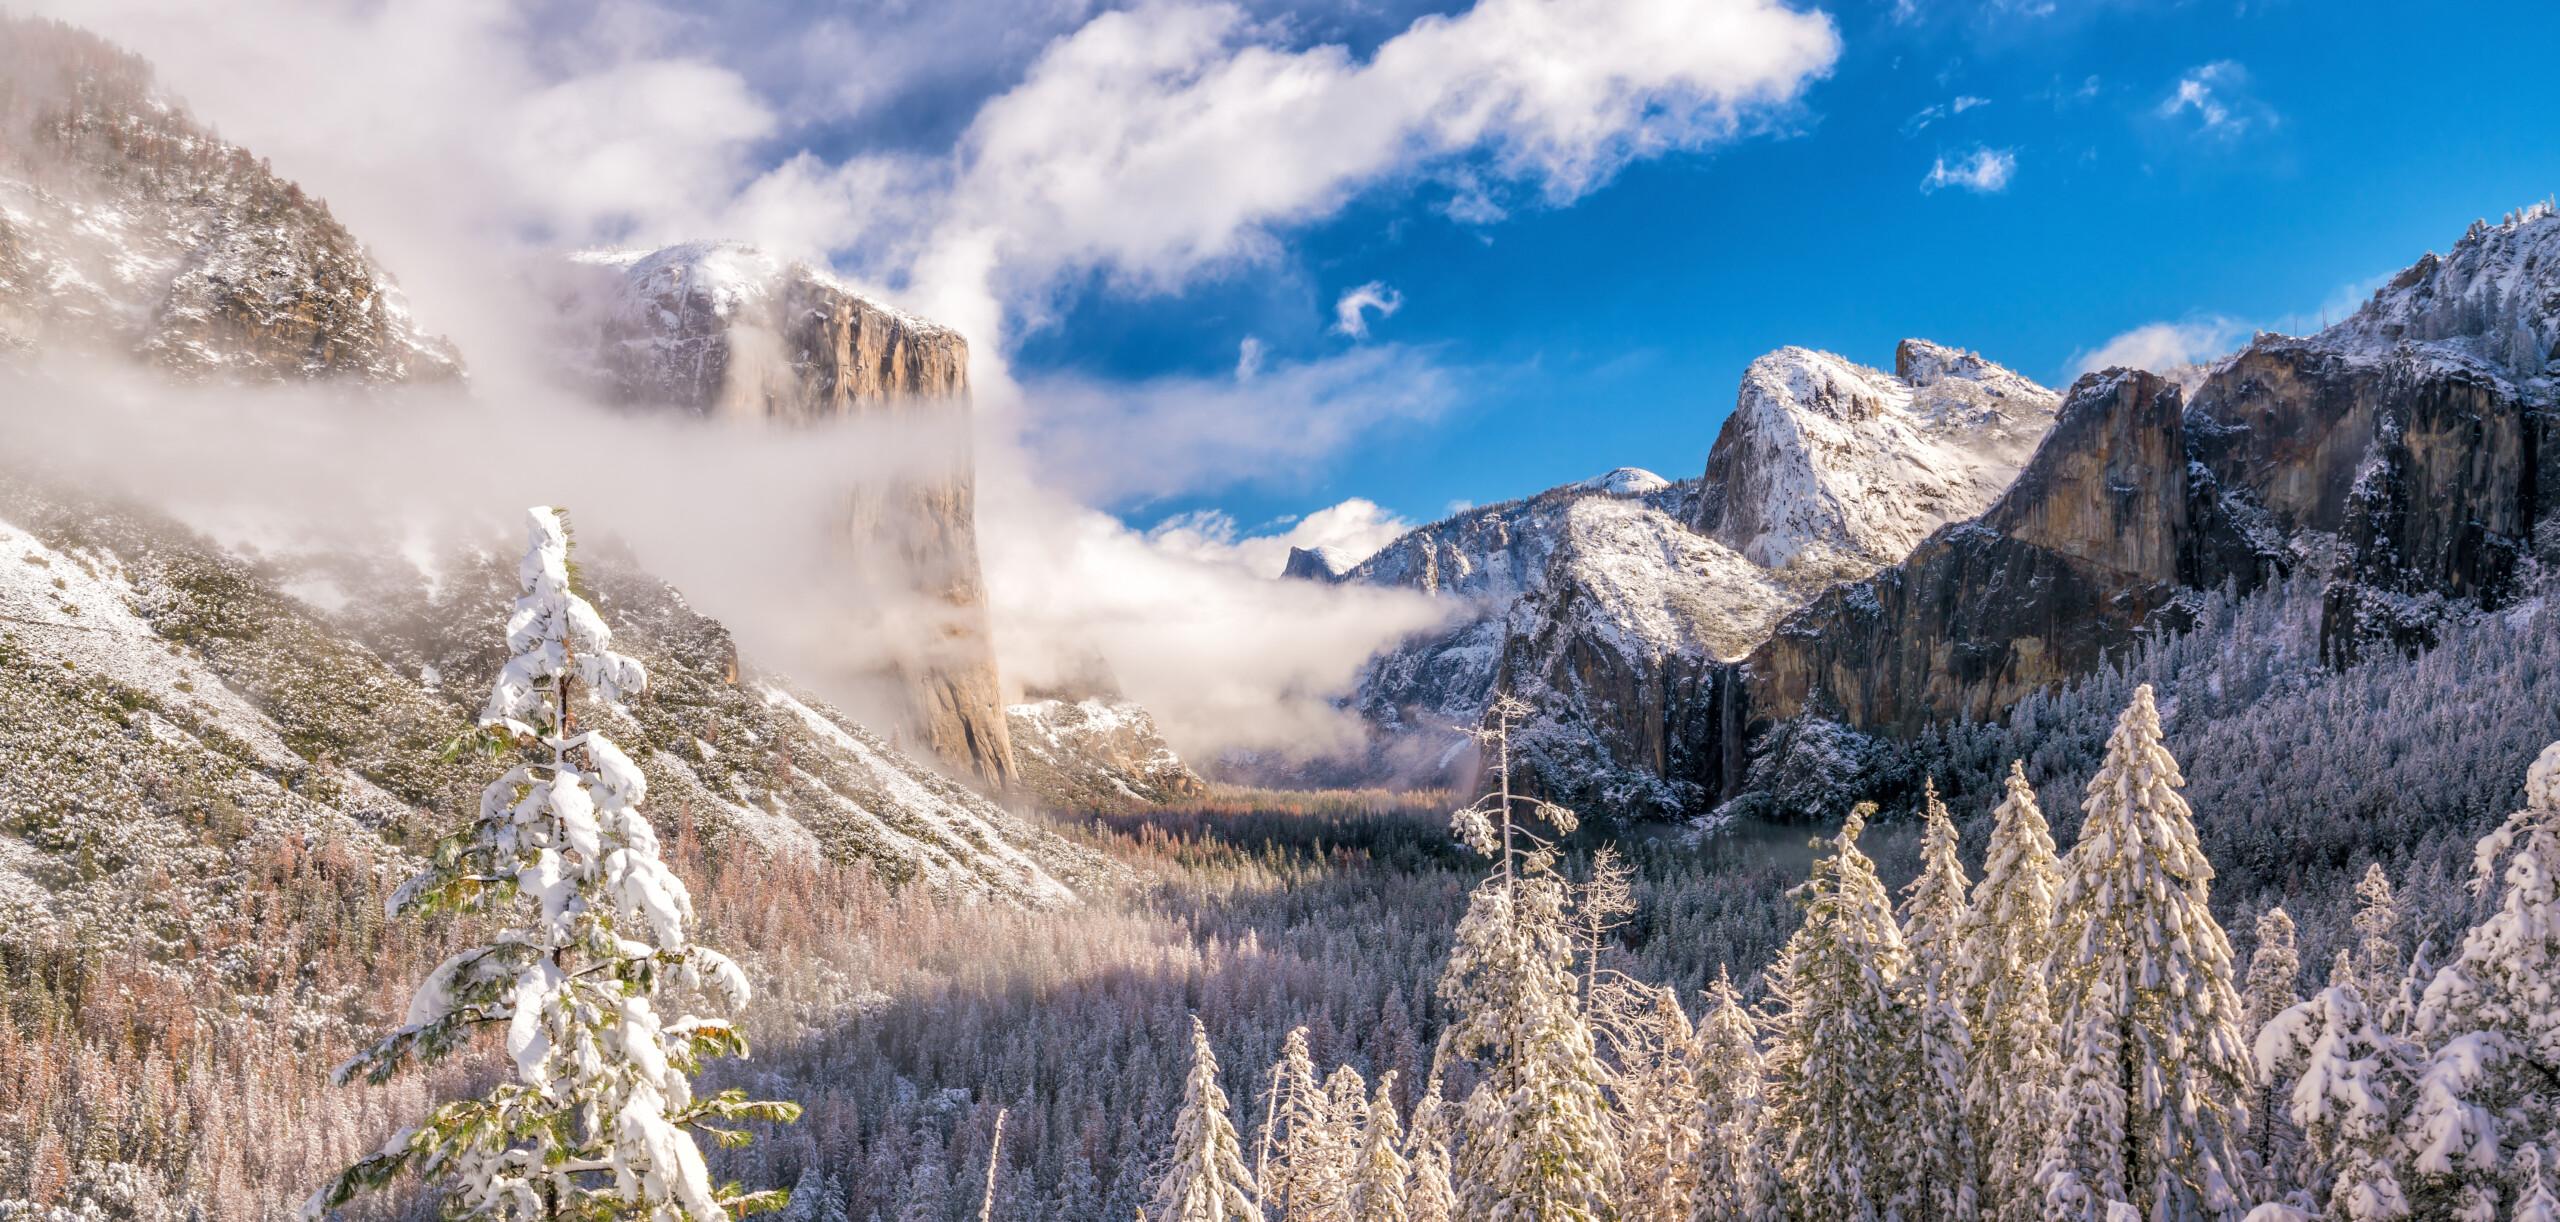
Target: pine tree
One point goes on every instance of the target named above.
(1656, 1084)
(2380, 963)
(1842, 1044)
(1429, 1194)
(1292, 1131)
(2152, 1102)
(2347, 1084)
(1941, 1154)
(1337, 1153)
(1733, 1179)
(2007, 940)
(598, 1118)
(1601, 905)
(1205, 1180)
(2274, 1143)
(2491, 1085)
(1378, 1188)
(1534, 1135)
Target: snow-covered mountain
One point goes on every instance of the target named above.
(1832, 469)
(1096, 753)
(1609, 601)
(128, 229)
(169, 711)
(2400, 458)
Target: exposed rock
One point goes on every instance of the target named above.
(127, 228)
(1326, 564)
(1096, 753)
(727, 330)
(2405, 456)
(1829, 469)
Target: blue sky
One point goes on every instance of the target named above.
(2323, 145)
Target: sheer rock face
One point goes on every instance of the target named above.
(128, 229)
(726, 330)
(2407, 454)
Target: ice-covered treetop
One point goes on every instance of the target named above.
(553, 631)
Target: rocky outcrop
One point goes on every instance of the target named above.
(2406, 457)
(1325, 564)
(126, 228)
(1830, 469)
(1097, 753)
(721, 329)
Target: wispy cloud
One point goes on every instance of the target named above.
(1933, 112)
(2162, 347)
(1984, 171)
(2217, 101)
(1351, 311)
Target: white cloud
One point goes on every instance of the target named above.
(1984, 170)
(1350, 312)
(2162, 347)
(2221, 103)
(1248, 358)
(1356, 528)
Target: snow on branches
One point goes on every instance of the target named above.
(598, 1117)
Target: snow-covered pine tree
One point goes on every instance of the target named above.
(2007, 940)
(2275, 1145)
(1656, 1083)
(1205, 1178)
(2491, 1022)
(1378, 1185)
(1601, 904)
(2540, 1200)
(1346, 1120)
(1533, 1137)
(2152, 1104)
(2347, 1084)
(1292, 1132)
(1429, 1194)
(1842, 1045)
(1733, 1179)
(598, 1116)
(1934, 910)
(2380, 963)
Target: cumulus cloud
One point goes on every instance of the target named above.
(1355, 529)
(1248, 358)
(2163, 347)
(1985, 171)
(2216, 100)
(1351, 310)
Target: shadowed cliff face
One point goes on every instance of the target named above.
(2404, 456)
(726, 330)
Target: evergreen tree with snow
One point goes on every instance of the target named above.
(1843, 1044)
(1429, 1196)
(1533, 1137)
(1733, 1178)
(2380, 963)
(2151, 1107)
(2274, 1143)
(1205, 1179)
(2491, 1021)
(1293, 1130)
(2347, 1082)
(1378, 1185)
(1934, 912)
(2007, 939)
(1658, 1109)
(1335, 1161)
(1601, 904)
(597, 1117)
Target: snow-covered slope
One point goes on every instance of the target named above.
(1096, 753)
(168, 716)
(2495, 299)
(1832, 469)
(127, 228)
